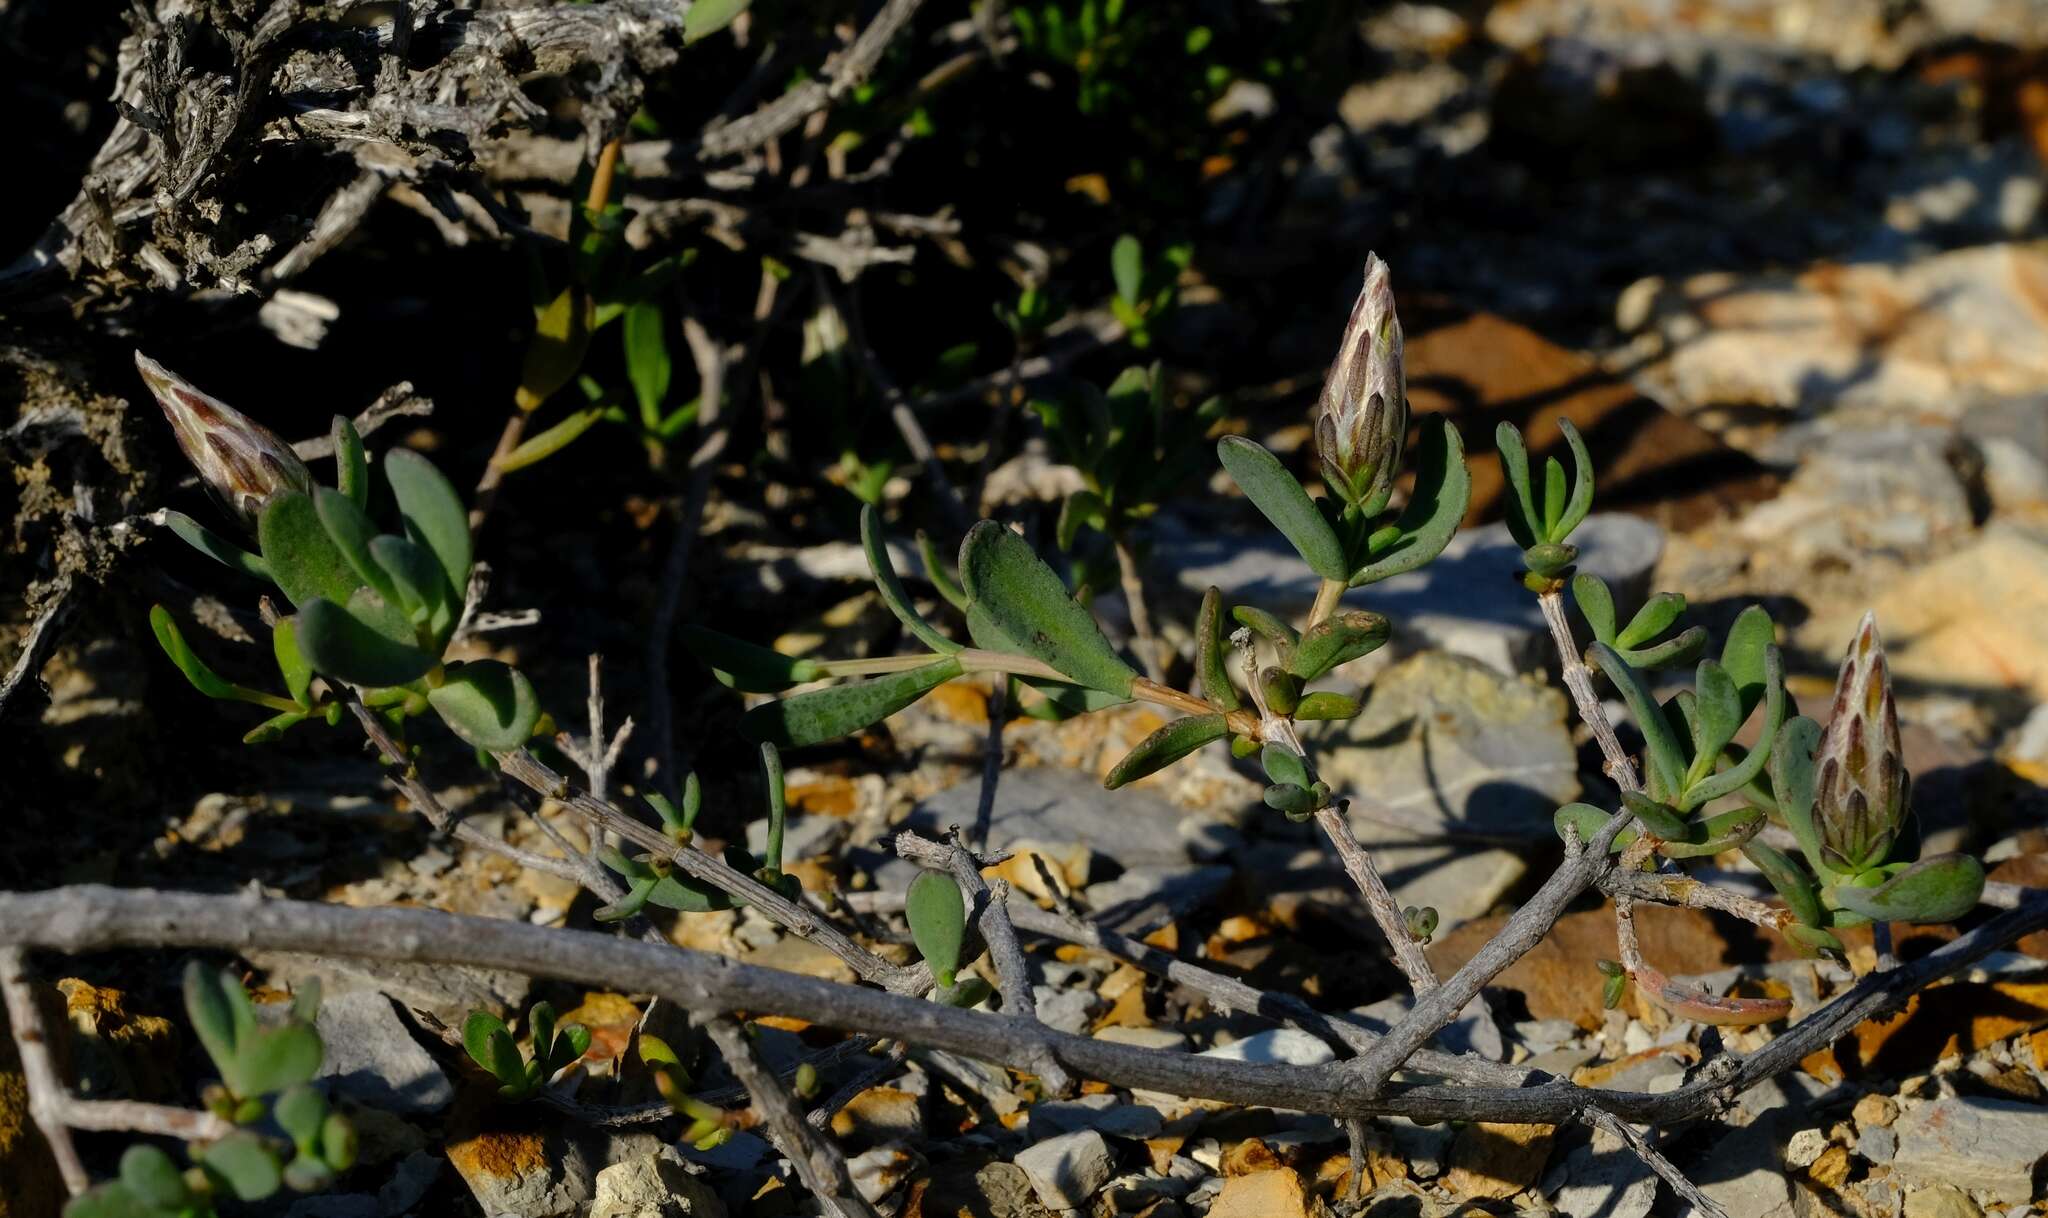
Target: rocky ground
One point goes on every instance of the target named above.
(1813, 367)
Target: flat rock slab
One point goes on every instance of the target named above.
(1466, 601)
(1446, 745)
(1065, 1171)
(1993, 1148)
(373, 1059)
(1052, 807)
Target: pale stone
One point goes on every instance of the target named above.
(373, 1059)
(1265, 1194)
(1804, 1147)
(659, 1185)
(1065, 1171)
(1987, 1146)
(1289, 1046)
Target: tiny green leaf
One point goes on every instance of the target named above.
(1663, 759)
(1520, 507)
(338, 1142)
(1787, 877)
(648, 365)
(1284, 766)
(1681, 648)
(1743, 772)
(1277, 494)
(1719, 708)
(298, 675)
(840, 710)
(1596, 605)
(1716, 834)
(891, 588)
(1297, 802)
(537, 448)
(156, 1181)
(936, 573)
(1268, 627)
(214, 546)
(1127, 267)
(1657, 614)
(1581, 500)
(202, 677)
(1742, 654)
(1659, 819)
(1324, 704)
(490, 704)
(1030, 611)
(302, 558)
(278, 1058)
(422, 587)
(967, 993)
(351, 531)
(706, 17)
(1166, 746)
(242, 1163)
(351, 467)
(1443, 492)
(1589, 821)
(433, 512)
(1792, 784)
(938, 922)
(299, 1112)
(211, 1011)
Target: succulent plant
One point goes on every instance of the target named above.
(555, 1048)
(266, 1068)
(375, 607)
(1844, 793)
(1362, 415)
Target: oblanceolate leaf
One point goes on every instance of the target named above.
(648, 364)
(937, 575)
(537, 448)
(1788, 878)
(1589, 821)
(338, 643)
(297, 673)
(1284, 766)
(172, 640)
(433, 512)
(299, 1112)
(1680, 648)
(1166, 746)
(745, 666)
(422, 587)
(1657, 615)
(351, 531)
(490, 704)
(1209, 652)
(301, 557)
(1030, 611)
(490, 1045)
(1742, 654)
(351, 467)
(1338, 639)
(561, 335)
(277, 1058)
(891, 588)
(1127, 267)
(1719, 711)
(214, 546)
(210, 1007)
(1662, 756)
(938, 922)
(1792, 783)
(1743, 772)
(149, 1174)
(840, 710)
(1443, 490)
(1716, 834)
(1280, 497)
(1596, 605)
(1581, 500)
(244, 1164)
(1938, 889)
(1324, 704)
(1658, 818)
(1520, 506)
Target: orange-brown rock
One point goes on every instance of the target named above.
(1486, 370)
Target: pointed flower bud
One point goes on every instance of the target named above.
(1861, 784)
(1362, 416)
(241, 462)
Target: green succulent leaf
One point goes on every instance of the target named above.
(1281, 690)
(244, 1164)
(433, 512)
(1443, 492)
(938, 922)
(1681, 648)
(351, 531)
(1662, 756)
(1166, 746)
(1324, 704)
(1210, 650)
(707, 17)
(489, 704)
(1596, 605)
(745, 666)
(1790, 880)
(1660, 819)
(300, 1112)
(1938, 889)
(1127, 268)
(1715, 834)
(1083, 509)
(1743, 772)
(210, 1005)
(1283, 765)
(490, 1045)
(421, 585)
(966, 993)
(196, 670)
(277, 1058)
(1589, 821)
(571, 1043)
(339, 643)
(1296, 801)
(1812, 940)
(936, 572)
(1581, 501)
(301, 556)
(540, 1026)
(1520, 507)
(648, 365)
(351, 466)
(891, 588)
(1017, 603)
(840, 710)
(1282, 636)
(1657, 615)
(214, 546)
(307, 1174)
(338, 1142)
(1792, 784)
(1718, 708)
(1337, 640)
(1743, 655)
(150, 1175)
(539, 447)
(297, 673)
(1277, 494)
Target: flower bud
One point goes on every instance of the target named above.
(241, 462)
(1362, 416)
(1860, 779)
